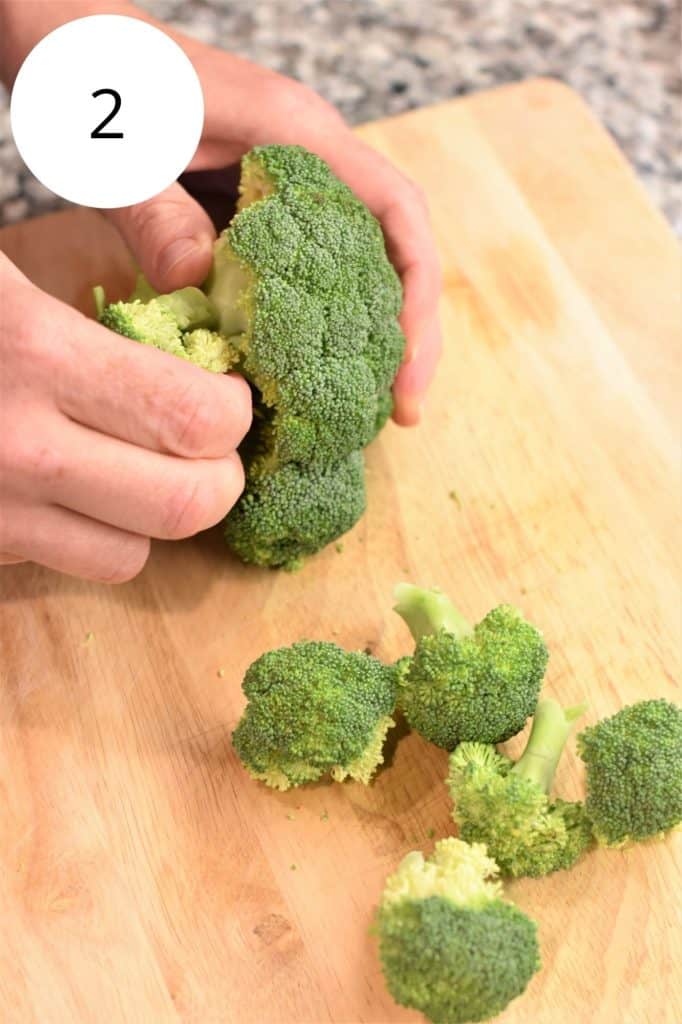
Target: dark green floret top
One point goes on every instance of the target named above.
(634, 773)
(315, 710)
(450, 945)
(467, 683)
(303, 302)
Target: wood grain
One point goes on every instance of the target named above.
(144, 877)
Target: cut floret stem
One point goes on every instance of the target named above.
(426, 611)
(551, 728)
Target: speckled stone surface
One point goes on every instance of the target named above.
(373, 58)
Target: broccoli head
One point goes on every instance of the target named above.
(450, 945)
(303, 301)
(634, 773)
(315, 710)
(507, 806)
(465, 683)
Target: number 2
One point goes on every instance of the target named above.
(97, 132)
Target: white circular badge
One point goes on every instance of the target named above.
(107, 111)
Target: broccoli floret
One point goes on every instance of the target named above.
(507, 806)
(314, 710)
(634, 773)
(149, 323)
(450, 945)
(209, 349)
(307, 301)
(465, 683)
(295, 510)
(178, 323)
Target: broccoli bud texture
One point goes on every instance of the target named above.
(465, 683)
(315, 710)
(634, 773)
(507, 806)
(303, 302)
(450, 945)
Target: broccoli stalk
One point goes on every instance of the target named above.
(551, 728)
(450, 945)
(467, 683)
(426, 611)
(507, 806)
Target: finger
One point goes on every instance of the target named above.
(8, 559)
(128, 487)
(71, 543)
(139, 394)
(412, 251)
(171, 237)
(415, 375)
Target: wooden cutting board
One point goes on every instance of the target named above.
(144, 876)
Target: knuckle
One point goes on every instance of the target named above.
(292, 100)
(39, 461)
(127, 560)
(192, 423)
(145, 216)
(186, 511)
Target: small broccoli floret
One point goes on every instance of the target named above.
(450, 945)
(465, 683)
(634, 773)
(177, 323)
(314, 710)
(295, 510)
(507, 806)
(210, 350)
(150, 323)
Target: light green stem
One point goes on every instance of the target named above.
(99, 299)
(551, 728)
(426, 611)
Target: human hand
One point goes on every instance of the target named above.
(105, 442)
(247, 105)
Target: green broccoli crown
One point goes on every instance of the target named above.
(295, 510)
(303, 301)
(463, 684)
(313, 710)
(450, 946)
(634, 772)
(507, 806)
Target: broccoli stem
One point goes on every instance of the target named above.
(100, 300)
(426, 611)
(551, 728)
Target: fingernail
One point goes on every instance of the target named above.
(179, 249)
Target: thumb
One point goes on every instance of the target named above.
(171, 237)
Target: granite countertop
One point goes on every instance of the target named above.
(373, 58)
